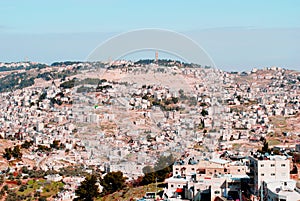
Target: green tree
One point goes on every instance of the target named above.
(55, 144)
(22, 188)
(265, 148)
(88, 190)
(204, 112)
(43, 198)
(1, 179)
(68, 84)
(7, 153)
(16, 152)
(175, 100)
(112, 182)
(149, 175)
(24, 170)
(5, 187)
(27, 144)
(149, 178)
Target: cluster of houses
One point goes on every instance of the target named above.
(16, 64)
(127, 124)
(258, 177)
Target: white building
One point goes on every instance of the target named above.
(268, 169)
(282, 190)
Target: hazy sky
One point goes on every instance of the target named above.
(238, 35)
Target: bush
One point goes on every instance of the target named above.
(5, 188)
(43, 198)
(22, 188)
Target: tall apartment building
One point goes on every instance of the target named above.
(271, 168)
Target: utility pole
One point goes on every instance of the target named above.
(261, 191)
(155, 188)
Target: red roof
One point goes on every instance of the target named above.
(179, 190)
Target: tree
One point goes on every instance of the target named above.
(24, 170)
(163, 167)
(55, 144)
(1, 179)
(7, 153)
(149, 178)
(22, 188)
(88, 190)
(112, 182)
(204, 112)
(37, 194)
(175, 100)
(5, 187)
(265, 148)
(16, 152)
(68, 84)
(27, 144)
(43, 198)
(149, 175)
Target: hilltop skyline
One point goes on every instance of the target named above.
(238, 36)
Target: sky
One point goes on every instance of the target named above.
(238, 35)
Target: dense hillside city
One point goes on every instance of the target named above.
(173, 130)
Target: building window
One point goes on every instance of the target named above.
(178, 185)
(193, 168)
(239, 170)
(217, 192)
(262, 174)
(172, 185)
(272, 165)
(272, 174)
(262, 165)
(176, 172)
(282, 165)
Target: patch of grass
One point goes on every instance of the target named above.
(273, 142)
(32, 186)
(278, 121)
(236, 145)
(131, 193)
(49, 188)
